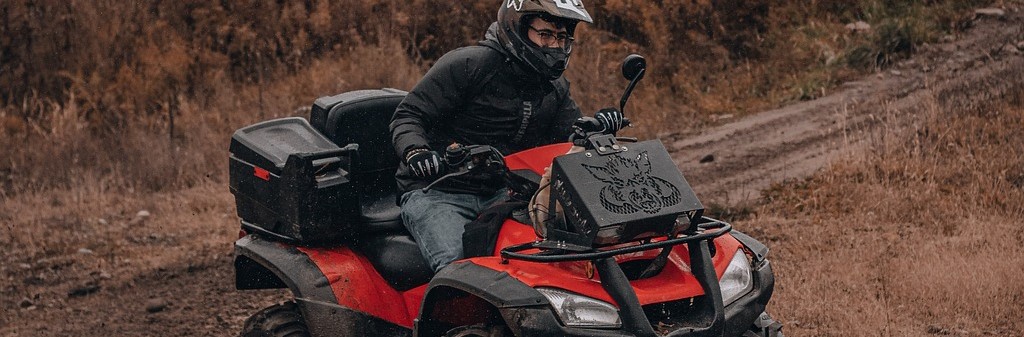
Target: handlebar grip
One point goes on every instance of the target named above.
(588, 124)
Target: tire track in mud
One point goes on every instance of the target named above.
(793, 142)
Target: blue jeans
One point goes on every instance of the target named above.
(437, 220)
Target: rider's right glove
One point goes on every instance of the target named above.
(611, 120)
(423, 163)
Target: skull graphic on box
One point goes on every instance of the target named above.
(631, 187)
(625, 193)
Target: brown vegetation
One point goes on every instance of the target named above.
(139, 94)
(919, 235)
(108, 107)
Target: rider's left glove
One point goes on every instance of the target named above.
(611, 120)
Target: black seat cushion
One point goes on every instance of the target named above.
(397, 258)
(381, 215)
(377, 201)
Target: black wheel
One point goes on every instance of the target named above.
(279, 320)
(479, 330)
(764, 326)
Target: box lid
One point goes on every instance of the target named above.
(268, 144)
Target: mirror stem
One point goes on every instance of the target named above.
(629, 90)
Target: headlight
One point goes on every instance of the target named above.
(737, 279)
(581, 311)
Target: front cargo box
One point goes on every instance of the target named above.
(292, 184)
(631, 194)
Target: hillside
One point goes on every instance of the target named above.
(883, 167)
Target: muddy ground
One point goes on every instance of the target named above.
(730, 164)
(163, 266)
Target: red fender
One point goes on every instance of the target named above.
(357, 286)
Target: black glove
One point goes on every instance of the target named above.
(611, 120)
(423, 163)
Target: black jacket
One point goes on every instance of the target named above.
(479, 95)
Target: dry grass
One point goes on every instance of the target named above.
(880, 244)
(61, 149)
(144, 96)
(919, 235)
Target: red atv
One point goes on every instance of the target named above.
(631, 255)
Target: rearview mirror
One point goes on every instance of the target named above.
(634, 65)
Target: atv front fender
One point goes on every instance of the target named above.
(527, 313)
(497, 291)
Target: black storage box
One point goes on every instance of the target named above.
(632, 193)
(292, 184)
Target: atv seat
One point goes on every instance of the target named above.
(363, 117)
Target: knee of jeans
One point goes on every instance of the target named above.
(447, 259)
(439, 251)
(408, 195)
(412, 203)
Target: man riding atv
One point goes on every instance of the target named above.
(508, 92)
(627, 252)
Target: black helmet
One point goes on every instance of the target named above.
(513, 18)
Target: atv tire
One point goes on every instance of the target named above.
(764, 326)
(279, 320)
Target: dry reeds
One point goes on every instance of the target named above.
(147, 93)
(920, 234)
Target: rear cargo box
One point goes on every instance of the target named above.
(292, 184)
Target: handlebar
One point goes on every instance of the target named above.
(584, 127)
(464, 159)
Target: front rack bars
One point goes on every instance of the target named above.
(717, 227)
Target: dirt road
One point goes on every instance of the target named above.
(185, 286)
(745, 156)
